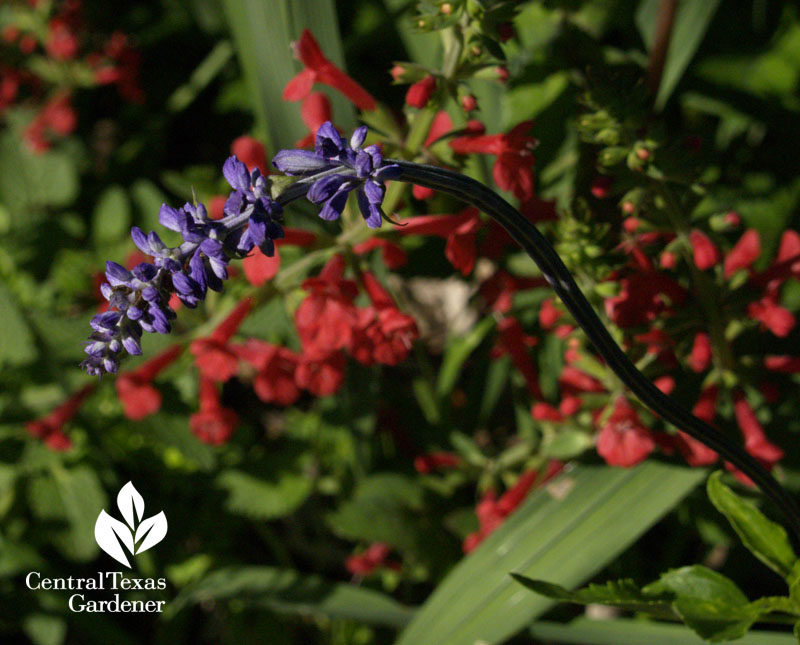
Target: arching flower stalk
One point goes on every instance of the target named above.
(327, 176)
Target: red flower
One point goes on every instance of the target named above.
(601, 186)
(705, 251)
(783, 364)
(315, 110)
(542, 411)
(214, 357)
(623, 440)
(371, 559)
(50, 428)
(549, 314)
(700, 358)
(641, 298)
(460, 231)
(772, 316)
(275, 381)
(394, 256)
(755, 440)
(498, 291)
(213, 424)
(251, 151)
(436, 461)
(135, 390)
(326, 318)
(61, 43)
(420, 92)
(695, 452)
(319, 69)
(513, 170)
(384, 334)
(744, 252)
(573, 379)
(706, 405)
(514, 342)
(260, 269)
(320, 374)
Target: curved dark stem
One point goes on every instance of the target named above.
(559, 277)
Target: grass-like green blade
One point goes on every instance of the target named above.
(262, 33)
(583, 631)
(563, 537)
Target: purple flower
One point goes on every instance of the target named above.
(362, 170)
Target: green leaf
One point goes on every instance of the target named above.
(765, 539)
(568, 443)
(621, 593)
(43, 629)
(384, 508)
(564, 533)
(636, 632)
(692, 20)
(288, 591)
(457, 352)
(75, 497)
(708, 602)
(265, 499)
(111, 219)
(16, 341)
(262, 35)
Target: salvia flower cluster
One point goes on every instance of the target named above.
(366, 175)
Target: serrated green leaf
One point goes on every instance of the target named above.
(260, 498)
(288, 591)
(620, 593)
(765, 539)
(564, 536)
(708, 602)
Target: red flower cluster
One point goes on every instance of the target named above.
(135, 388)
(59, 35)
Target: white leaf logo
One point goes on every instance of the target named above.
(112, 535)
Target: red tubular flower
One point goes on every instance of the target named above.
(744, 252)
(787, 263)
(542, 411)
(50, 428)
(574, 380)
(394, 256)
(319, 69)
(694, 452)
(373, 558)
(61, 43)
(260, 269)
(326, 318)
(384, 334)
(623, 440)
(706, 406)
(442, 124)
(641, 298)
(755, 440)
(549, 314)
(135, 390)
(320, 374)
(706, 254)
(315, 110)
(513, 170)
(251, 151)
(668, 260)
(460, 231)
(436, 461)
(601, 186)
(513, 341)
(498, 291)
(700, 358)
(275, 381)
(213, 424)
(783, 364)
(570, 405)
(772, 316)
(214, 357)
(420, 92)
